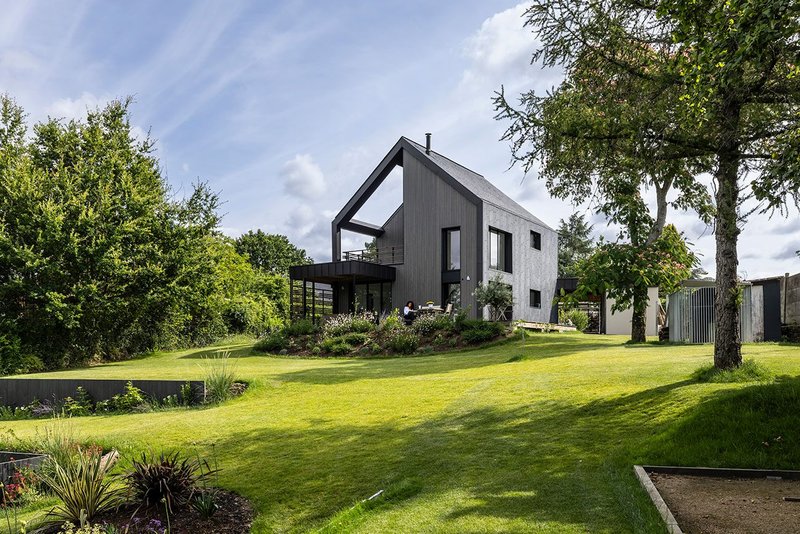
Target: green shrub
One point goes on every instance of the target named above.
(273, 343)
(427, 324)
(578, 318)
(219, 378)
(402, 341)
(168, 478)
(83, 487)
(348, 322)
(301, 327)
(132, 399)
(392, 321)
(340, 348)
(477, 331)
(13, 359)
(81, 404)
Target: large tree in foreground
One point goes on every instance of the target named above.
(731, 69)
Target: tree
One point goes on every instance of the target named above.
(97, 260)
(623, 270)
(495, 294)
(730, 71)
(271, 253)
(574, 243)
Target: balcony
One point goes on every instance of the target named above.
(379, 255)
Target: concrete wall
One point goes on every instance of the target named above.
(619, 323)
(531, 268)
(756, 313)
(429, 206)
(792, 300)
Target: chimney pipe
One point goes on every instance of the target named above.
(427, 143)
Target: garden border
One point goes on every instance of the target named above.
(643, 474)
(18, 391)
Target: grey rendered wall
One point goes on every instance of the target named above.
(792, 304)
(531, 268)
(619, 323)
(429, 205)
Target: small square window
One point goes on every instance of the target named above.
(536, 298)
(536, 240)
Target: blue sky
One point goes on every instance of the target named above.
(285, 107)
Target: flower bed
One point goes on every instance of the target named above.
(359, 335)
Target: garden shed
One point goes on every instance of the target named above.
(691, 317)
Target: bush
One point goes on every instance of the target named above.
(131, 400)
(578, 318)
(274, 343)
(342, 345)
(477, 331)
(348, 322)
(402, 341)
(13, 360)
(220, 376)
(427, 324)
(83, 487)
(392, 321)
(81, 404)
(302, 327)
(168, 478)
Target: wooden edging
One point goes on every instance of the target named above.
(655, 496)
(722, 472)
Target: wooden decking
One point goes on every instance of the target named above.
(545, 327)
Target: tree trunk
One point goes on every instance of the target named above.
(639, 319)
(727, 343)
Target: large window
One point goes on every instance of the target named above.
(499, 250)
(451, 294)
(452, 249)
(536, 240)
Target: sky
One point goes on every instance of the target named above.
(285, 107)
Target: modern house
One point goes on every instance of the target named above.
(453, 230)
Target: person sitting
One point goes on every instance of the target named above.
(409, 314)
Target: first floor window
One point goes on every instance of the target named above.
(499, 250)
(452, 249)
(536, 240)
(536, 298)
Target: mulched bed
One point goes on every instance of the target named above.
(234, 516)
(711, 505)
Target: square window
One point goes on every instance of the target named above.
(536, 240)
(536, 298)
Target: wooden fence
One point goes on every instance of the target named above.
(23, 391)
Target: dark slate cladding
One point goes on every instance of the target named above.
(568, 283)
(335, 271)
(474, 183)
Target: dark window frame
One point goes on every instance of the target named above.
(445, 252)
(508, 253)
(536, 240)
(535, 298)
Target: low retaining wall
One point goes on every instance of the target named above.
(23, 391)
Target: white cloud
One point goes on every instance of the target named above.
(18, 60)
(303, 178)
(185, 167)
(75, 109)
(501, 44)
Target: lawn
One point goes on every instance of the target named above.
(535, 435)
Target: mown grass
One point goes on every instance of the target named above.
(532, 435)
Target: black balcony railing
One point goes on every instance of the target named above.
(381, 255)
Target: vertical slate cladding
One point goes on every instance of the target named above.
(429, 205)
(531, 268)
(393, 231)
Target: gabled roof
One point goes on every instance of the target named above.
(469, 183)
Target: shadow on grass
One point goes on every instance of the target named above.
(535, 464)
(755, 426)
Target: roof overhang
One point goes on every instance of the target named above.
(343, 271)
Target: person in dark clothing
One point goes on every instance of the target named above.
(409, 314)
